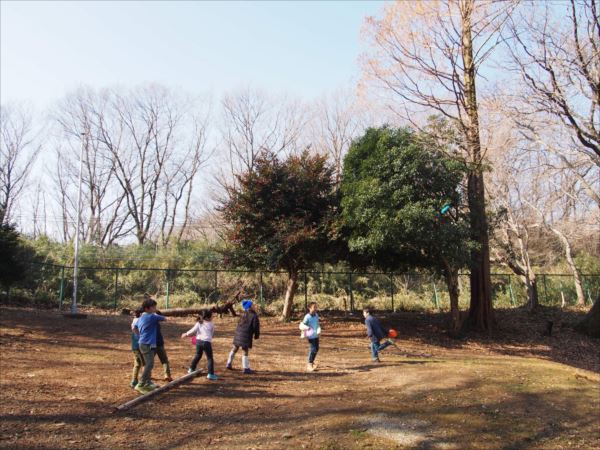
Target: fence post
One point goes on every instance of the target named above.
(168, 289)
(305, 291)
(392, 290)
(350, 290)
(510, 291)
(262, 299)
(116, 287)
(545, 289)
(61, 294)
(587, 289)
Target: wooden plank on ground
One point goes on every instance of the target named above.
(144, 397)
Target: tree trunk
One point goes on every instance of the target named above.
(290, 291)
(571, 263)
(590, 324)
(481, 315)
(451, 275)
(532, 292)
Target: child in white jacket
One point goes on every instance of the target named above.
(204, 331)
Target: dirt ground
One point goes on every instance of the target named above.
(62, 378)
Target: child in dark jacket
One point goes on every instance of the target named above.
(248, 327)
(376, 333)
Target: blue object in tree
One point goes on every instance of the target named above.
(445, 208)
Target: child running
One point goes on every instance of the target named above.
(376, 333)
(247, 328)
(138, 360)
(147, 326)
(204, 331)
(311, 330)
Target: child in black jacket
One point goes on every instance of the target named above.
(248, 327)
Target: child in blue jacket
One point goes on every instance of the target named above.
(376, 333)
(147, 327)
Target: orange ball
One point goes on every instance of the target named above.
(393, 333)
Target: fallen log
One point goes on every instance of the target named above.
(180, 312)
(144, 397)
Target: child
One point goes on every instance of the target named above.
(376, 333)
(204, 330)
(311, 329)
(248, 327)
(147, 326)
(138, 361)
(162, 354)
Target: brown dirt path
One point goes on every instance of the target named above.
(60, 380)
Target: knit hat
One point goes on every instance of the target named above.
(246, 304)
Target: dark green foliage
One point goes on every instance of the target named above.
(394, 184)
(12, 268)
(280, 214)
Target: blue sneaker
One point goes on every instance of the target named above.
(212, 377)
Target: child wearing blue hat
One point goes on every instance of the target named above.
(248, 327)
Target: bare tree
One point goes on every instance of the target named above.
(179, 184)
(555, 48)
(145, 134)
(337, 120)
(254, 122)
(103, 217)
(513, 186)
(18, 151)
(430, 56)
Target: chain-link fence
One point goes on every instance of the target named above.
(122, 287)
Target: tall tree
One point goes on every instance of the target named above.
(395, 185)
(18, 151)
(279, 216)
(431, 55)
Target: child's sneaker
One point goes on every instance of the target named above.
(248, 371)
(229, 367)
(168, 378)
(133, 383)
(190, 370)
(212, 377)
(152, 386)
(143, 389)
(310, 367)
(376, 360)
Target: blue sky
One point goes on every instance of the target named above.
(305, 48)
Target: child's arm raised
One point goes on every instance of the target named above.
(191, 331)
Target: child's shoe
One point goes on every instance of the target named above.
(248, 371)
(229, 367)
(190, 370)
(168, 378)
(152, 386)
(133, 383)
(143, 389)
(310, 367)
(212, 377)
(376, 360)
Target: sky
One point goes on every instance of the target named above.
(50, 48)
